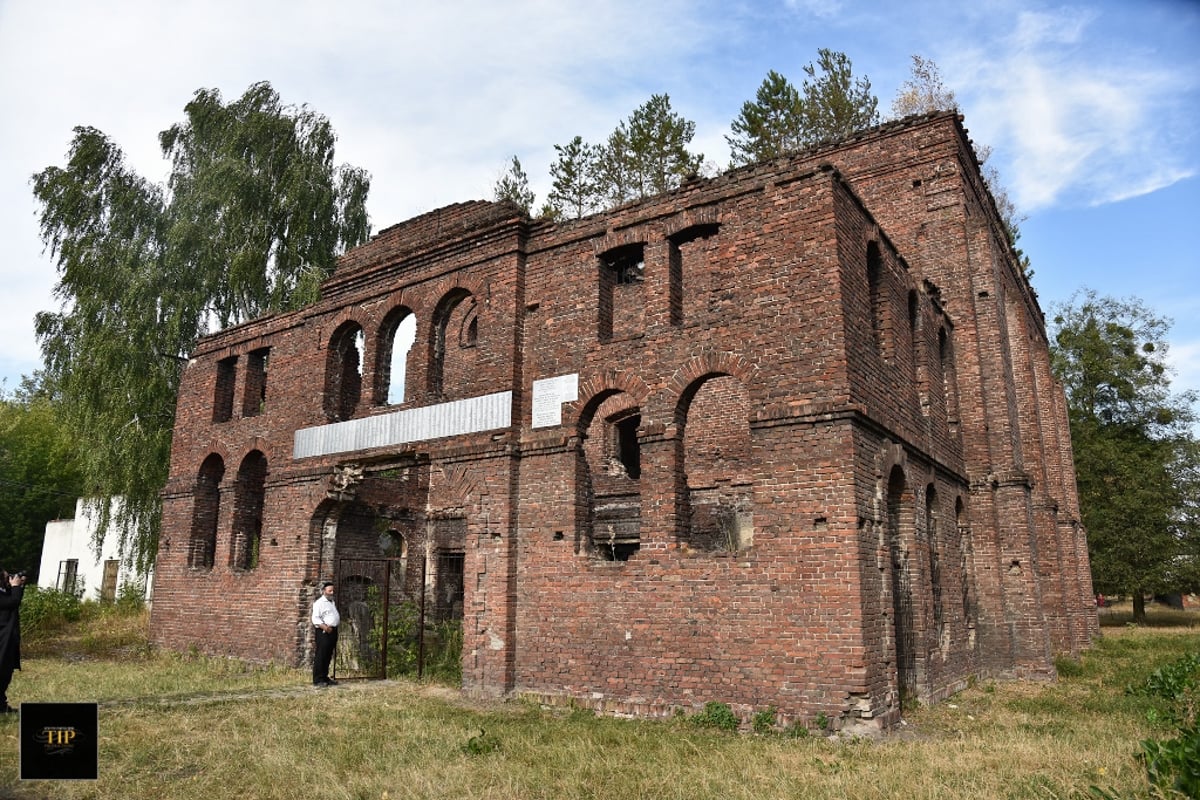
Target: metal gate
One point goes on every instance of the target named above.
(375, 612)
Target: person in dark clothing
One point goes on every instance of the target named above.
(12, 590)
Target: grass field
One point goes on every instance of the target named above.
(180, 726)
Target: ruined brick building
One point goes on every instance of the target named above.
(784, 437)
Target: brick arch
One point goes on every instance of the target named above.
(899, 536)
(256, 443)
(322, 530)
(595, 389)
(329, 324)
(692, 218)
(451, 490)
(890, 455)
(608, 470)
(688, 378)
(613, 241)
(221, 451)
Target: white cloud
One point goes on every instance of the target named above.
(432, 99)
(1184, 359)
(822, 9)
(1074, 121)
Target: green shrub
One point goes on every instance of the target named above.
(1173, 681)
(480, 744)
(131, 596)
(443, 652)
(763, 721)
(402, 643)
(1174, 765)
(45, 611)
(717, 715)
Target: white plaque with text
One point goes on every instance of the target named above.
(548, 396)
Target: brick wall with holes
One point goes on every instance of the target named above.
(811, 457)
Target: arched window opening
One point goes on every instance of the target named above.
(949, 376)
(206, 513)
(393, 544)
(612, 478)
(965, 548)
(396, 338)
(877, 298)
(249, 497)
(343, 372)
(899, 531)
(455, 335)
(935, 568)
(718, 509)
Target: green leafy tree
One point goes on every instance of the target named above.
(836, 104)
(39, 474)
(251, 220)
(1135, 456)
(513, 186)
(770, 126)
(573, 184)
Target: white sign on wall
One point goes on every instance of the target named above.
(548, 396)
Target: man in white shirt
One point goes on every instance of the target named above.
(325, 619)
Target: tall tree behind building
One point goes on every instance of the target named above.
(573, 191)
(646, 154)
(252, 219)
(836, 104)
(923, 91)
(770, 126)
(1135, 456)
(831, 104)
(513, 186)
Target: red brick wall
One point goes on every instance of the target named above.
(818, 418)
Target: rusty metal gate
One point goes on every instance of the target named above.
(375, 611)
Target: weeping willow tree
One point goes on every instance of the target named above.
(251, 219)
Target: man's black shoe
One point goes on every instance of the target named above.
(331, 682)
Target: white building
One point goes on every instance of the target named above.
(70, 562)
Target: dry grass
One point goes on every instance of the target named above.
(180, 727)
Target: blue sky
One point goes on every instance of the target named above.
(1092, 110)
